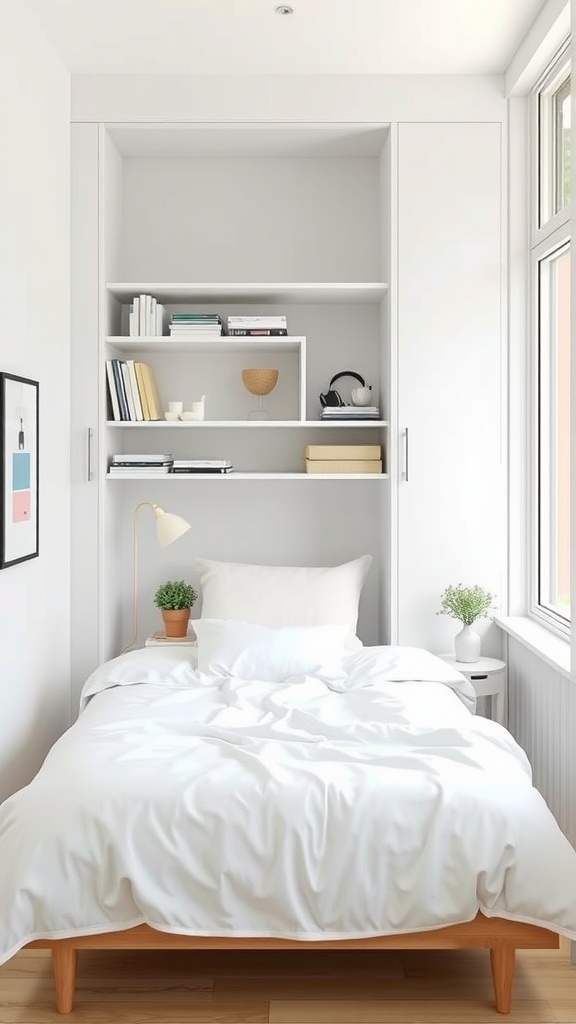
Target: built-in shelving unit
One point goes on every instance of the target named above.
(215, 362)
(235, 220)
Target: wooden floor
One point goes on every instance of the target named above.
(247, 987)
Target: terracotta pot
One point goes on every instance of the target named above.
(175, 621)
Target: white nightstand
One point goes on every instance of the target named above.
(488, 677)
(161, 640)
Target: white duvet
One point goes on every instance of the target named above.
(214, 806)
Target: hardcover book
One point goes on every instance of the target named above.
(343, 451)
(343, 466)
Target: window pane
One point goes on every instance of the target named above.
(554, 430)
(554, 120)
(562, 111)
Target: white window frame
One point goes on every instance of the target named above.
(548, 234)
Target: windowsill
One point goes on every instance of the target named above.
(552, 649)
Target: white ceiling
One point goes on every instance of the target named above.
(322, 37)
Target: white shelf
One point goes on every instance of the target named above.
(250, 476)
(203, 343)
(325, 292)
(252, 424)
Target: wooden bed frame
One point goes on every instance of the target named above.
(501, 937)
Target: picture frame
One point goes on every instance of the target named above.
(19, 469)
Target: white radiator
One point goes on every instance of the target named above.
(542, 718)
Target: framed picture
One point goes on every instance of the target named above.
(19, 436)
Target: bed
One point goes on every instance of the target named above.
(282, 787)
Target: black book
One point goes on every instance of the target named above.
(149, 465)
(120, 389)
(201, 469)
(257, 332)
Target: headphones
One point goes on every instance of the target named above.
(333, 397)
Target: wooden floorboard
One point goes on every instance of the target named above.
(285, 987)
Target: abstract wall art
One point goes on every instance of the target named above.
(19, 440)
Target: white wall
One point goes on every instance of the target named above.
(35, 342)
(300, 99)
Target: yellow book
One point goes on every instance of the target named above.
(142, 390)
(343, 451)
(151, 392)
(343, 466)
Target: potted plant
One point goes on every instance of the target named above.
(175, 599)
(466, 604)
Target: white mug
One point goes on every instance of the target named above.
(362, 396)
(176, 407)
(198, 408)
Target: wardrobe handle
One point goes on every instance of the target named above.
(89, 453)
(406, 450)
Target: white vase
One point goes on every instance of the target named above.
(467, 645)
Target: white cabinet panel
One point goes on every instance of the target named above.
(84, 404)
(451, 507)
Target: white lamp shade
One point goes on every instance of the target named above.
(169, 527)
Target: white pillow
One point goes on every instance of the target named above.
(248, 651)
(279, 596)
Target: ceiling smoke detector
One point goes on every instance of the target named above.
(284, 9)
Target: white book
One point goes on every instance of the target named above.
(128, 390)
(203, 463)
(271, 321)
(142, 317)
(135, 314)
(152, 317)
(135, 390)
(142, 473)
(136, 457)
(255, 325)
(160, 319)
(350, 410)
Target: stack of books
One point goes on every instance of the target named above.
(350, 412)
(126, 464)
(195, 323)
(201, 466)
(133, 391)
(343, 458)
(257, 326)
(146, 318)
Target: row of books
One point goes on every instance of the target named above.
(145, 465)
(133, 391)
(146, 318)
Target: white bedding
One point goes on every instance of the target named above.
(202, 805)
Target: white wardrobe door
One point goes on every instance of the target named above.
(84, 407)
(451, 510)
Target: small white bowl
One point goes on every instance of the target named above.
(191, 416)
(171, 416)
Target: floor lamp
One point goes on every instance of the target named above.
(169, 527)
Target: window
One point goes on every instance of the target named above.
(551, 288)
(553, 115)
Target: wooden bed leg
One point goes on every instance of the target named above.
(503, 962)
(64, 961)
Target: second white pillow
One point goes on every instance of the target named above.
(247, 651)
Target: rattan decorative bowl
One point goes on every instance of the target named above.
(259, 381)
